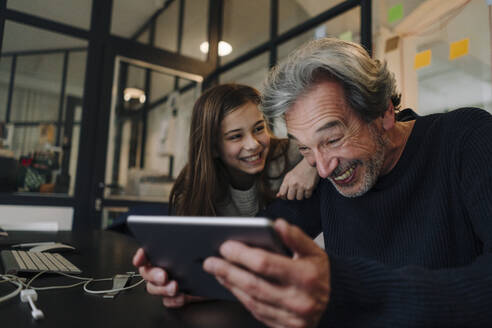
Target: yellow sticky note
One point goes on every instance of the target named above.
(422, 59)
(458, 48)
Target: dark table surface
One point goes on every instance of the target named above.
(102, 254)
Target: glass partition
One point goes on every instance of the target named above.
(441, 60)
(74, 13)
(41, 88)
(149, 127)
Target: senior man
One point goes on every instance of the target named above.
(405, 207)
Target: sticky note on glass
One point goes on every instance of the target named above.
(459, 48)
(395, 13)
(422, 59)
(346, 36)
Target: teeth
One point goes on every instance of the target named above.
(252, 158)
(344, 175)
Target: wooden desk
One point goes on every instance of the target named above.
(102, 254)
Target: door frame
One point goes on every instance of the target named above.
(89, 214)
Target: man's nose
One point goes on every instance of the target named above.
(325, 164)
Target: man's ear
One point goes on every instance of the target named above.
(389, 117)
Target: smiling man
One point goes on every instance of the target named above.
(404, 206)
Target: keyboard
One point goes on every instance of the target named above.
(24, 261)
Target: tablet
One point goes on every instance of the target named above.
(181, 244)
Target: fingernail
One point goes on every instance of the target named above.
(159, 277)
(208, 265)
(171, 289)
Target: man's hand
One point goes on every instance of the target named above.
(158, 283)
(279, 291)
(299, 182)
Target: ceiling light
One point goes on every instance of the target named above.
(134, 94)
(224, 48)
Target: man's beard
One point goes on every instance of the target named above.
(373, 167)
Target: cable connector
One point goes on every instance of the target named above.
(30, 295)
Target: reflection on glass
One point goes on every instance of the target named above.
(36, 126)
(147, 141)
(246, 25)
(445, 83)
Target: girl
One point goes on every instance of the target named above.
(235, 166)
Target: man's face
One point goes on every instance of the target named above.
(343, 148)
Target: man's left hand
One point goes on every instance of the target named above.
(279, 291)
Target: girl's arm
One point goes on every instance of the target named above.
(299, 182)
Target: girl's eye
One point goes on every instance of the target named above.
(302, 148)
(234, 137)
(259, 128)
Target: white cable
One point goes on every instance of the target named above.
(109, 290)
(13, 281)
(85, 282)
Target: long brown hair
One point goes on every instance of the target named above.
(203, 182)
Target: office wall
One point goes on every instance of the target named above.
(444, 83)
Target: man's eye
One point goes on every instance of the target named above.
(303, 148)
(333, 141)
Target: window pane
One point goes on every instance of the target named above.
(75, 13)
(166, 135)
(345, 26)
(195, 28)
(37, 86)
(428, 73)
(129, 16)
(246, 25)
(144, 37)
(292, 12)
(76, 73)
(161, 85)
(166, 30)
(41, 129)
(5, 65)
(251, 73)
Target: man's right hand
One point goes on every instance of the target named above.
(158, 283)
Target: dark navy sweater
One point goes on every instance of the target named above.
(414, 251)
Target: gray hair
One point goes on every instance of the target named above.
(368, 84)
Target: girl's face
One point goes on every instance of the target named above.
(244, 140)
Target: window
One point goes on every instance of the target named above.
(246, 25)
(441, 59)
(74, 13)
(251, 73)
(49, 69)
(293, 13)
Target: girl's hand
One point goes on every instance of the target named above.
(299, 182)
